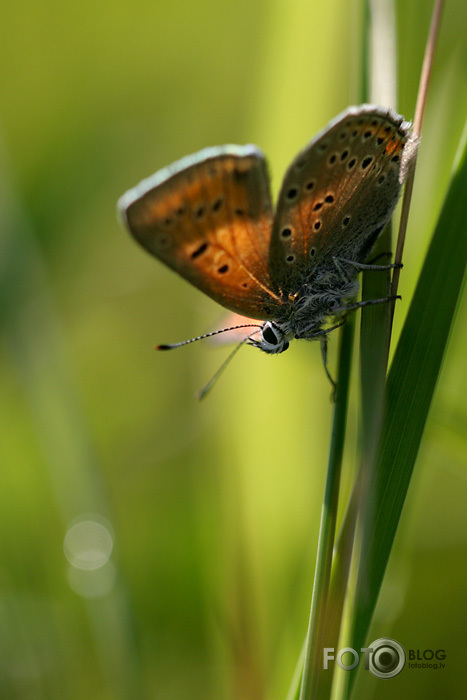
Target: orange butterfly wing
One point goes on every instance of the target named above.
(338, 193)
(209, 218)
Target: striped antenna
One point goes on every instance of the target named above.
(172, 346)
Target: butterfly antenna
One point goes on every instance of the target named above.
(207, 387)
(172, 346)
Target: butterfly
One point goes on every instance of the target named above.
(210, 218)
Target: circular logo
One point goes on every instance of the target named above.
(387, 659)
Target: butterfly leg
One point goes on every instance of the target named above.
(343, 273)
(367, 266)
(368, 302)
(324, 356)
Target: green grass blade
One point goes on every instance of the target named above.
(411, 384)
(374, 333)
(313, 647)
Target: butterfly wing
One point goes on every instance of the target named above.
(209, 218)
(338, 193)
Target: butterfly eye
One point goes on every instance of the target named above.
(269, 335)
(273, 339)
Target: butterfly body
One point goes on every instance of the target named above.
(210, 218)
(322, 297)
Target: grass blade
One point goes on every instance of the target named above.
(313, 654)
(411, 384)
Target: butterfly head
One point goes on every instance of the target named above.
(273, 339)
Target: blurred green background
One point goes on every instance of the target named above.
(151, 546)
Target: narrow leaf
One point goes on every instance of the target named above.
(411, 384)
